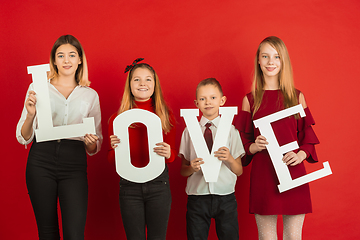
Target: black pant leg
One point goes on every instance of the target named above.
(157, 208)
(132, 209)
(226, 218)
(42, 188)
(198, 217)
(72, 188)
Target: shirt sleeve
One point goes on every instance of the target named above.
(19, 137)
(184, 148)
(95, 112)
(236, 147)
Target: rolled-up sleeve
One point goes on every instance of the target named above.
(95, 112)
(22, 119)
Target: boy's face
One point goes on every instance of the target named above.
(208, 100)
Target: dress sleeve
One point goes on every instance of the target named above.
(111, 151)
(306, 136)
(245, 126)
(169, 138)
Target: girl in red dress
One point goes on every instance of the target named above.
(145, 206)
(273, 90)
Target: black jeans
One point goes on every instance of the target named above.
(57, 170)
(146, 205)
(200, 210)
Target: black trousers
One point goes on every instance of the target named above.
(146, 206)
(57, 170)
(200, 210)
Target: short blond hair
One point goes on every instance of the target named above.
(209, 81)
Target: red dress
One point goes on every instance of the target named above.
(138, 138)
(265, 198)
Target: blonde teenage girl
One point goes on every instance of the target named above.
(56, 170)
(273, 90)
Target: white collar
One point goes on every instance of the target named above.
(215, 121)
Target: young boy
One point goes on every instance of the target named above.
(208, 200)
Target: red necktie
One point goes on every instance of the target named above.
(208, 136)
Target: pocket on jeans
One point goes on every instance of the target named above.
(193, 198)
(162, 188)
(160, 182)
(124, 182)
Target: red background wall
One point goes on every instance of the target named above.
(187, 41)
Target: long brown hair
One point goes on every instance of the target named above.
(286, 81)
(81, 74)
(161, 108)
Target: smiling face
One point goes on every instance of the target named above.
(208, 100)
(67, 60)
(142, 84)
(269, 61)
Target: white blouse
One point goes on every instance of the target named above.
(83, 102)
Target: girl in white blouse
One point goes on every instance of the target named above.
(56, 170)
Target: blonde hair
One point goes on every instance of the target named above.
(209, 81)
(81, 75)
(161, 108)
(286, 81)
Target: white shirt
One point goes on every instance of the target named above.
(83, 102)
(225, 185)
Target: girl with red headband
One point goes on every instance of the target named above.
(145, 207)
